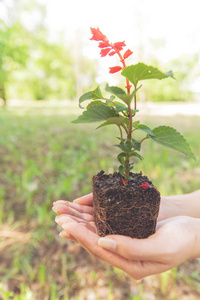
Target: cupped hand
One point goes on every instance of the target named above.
(80, 211)
(82, 208)
(175, 240)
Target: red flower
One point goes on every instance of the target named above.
(124, 183)
(97, 35)
(127, 54)
(144, 186)
(104, 44)
(112, 53)
(119, 45)
(115, 69)
(128, 86)
(104, 52)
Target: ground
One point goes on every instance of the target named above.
(43, 157)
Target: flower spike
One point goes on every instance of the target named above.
(127, 54)
(104, 52)
(104, 44)
(98, 35)
(115, 69)
(120, 44)
(112, 53)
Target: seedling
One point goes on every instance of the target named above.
(120, 107)
(125, 202)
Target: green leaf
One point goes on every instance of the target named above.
(136, 155)
(121, 170)
(136, 145)
(96, 102)
(126, 147)
(136, 123)
(120, 107)
(134, 111)
(117, 91)
(92, 95)
(119, 138)
(140, 71)
(119, 121)
(144, 128)
(121, 94)
(122, 146)
(121, 158)
(96, 113)
(171, 138)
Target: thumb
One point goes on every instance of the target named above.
(133, 249)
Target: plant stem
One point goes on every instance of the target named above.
(146, 138)
(135, 99)
(127, 169)
(124, 126)
(128, 86)
(128, 130)
(109, 100)
(131, 122)
(129, 137)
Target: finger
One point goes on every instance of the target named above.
(67, 236)
(64, 209)
(61, 219)
(78, 207)
(89, 241)
(134, 249)
(85, 200)
(89, 226)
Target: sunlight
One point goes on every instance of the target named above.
(164, 30)
(140, 22)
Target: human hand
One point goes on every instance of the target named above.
(80, 211)
(168, 208)
(175, 241)
(180, 205)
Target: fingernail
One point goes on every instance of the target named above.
(61, 219)
(107, 244)
(58, 208)
(64, 226)
(57, 219)
(61, 234)
(76, 199)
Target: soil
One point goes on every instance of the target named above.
(130, 210)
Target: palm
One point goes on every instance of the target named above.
(138, 258)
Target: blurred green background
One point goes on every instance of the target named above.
(44, 67)
(42, 59)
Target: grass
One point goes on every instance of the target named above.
(43, 157)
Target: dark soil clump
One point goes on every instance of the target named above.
(130, 210)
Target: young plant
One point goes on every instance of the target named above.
(120, 107)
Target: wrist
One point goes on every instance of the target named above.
(181, 205)
(196, 243)
(170, 207)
